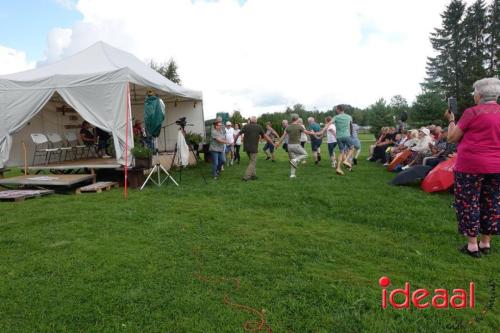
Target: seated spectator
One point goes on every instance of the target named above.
(88, 138)
(441, 151)
(103, 138)
(436, 133)
(380, 138)
(406, 142)
(381, 146)
(397, 142)
(421, 149)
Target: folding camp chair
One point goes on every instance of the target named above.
(57, 142)
(75, 145)
(42, 148)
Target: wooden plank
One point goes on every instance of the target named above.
(97, 187)
(20, 195)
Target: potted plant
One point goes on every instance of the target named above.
(194, 139)
(142, 156)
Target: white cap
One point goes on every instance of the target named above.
(228, 123)
(425, 130)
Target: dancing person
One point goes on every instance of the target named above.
(477, 168)
(331, 138)
(343, 124)
(237, 143)
(284, 124)
(269, 146)
(355, 143)
(303, 135)
(315, 139)
(216, 148)
(229, 150)
(253, 132)
(296, 152)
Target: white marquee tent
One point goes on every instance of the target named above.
(106, 86)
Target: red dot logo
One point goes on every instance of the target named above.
(384, 281)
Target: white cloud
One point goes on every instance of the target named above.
(12, 61)
(267, 54)
(68, 4)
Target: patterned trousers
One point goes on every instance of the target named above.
(477, 203)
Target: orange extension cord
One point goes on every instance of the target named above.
(252, 326)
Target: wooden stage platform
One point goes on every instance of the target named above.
(100, 163)
(47, 180)
(92, 163)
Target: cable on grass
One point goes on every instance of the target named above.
(251, 326)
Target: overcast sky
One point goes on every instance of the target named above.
(255, 55)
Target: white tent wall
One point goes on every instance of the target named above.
(105, 107)
(95, 82)
(193, 111)
(46, 121)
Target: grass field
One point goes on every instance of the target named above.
(308, 251)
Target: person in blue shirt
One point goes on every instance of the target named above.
(315, 140)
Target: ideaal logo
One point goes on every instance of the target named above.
(423, 298)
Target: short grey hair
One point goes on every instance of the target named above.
(295, 116)
(253, 119)
(487, 88)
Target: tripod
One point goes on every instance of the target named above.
(178, 154)
(158, 169)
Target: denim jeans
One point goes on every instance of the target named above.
(217, 161)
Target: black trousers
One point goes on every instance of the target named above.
(237, 153)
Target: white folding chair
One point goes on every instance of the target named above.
(74, 143)
(57, 142)
(42, 148)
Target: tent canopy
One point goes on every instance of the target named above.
(94, 82)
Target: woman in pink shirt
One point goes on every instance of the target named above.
(477, 170)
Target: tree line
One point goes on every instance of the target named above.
(467, 48)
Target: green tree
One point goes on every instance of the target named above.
(237, 118)
(167, 69)
(380, 115)
(428, 108)
(399, 105)
(474, 45)
(493, 39)
(445, 71)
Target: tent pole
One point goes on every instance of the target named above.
(125, 191)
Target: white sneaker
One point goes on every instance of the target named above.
(105, 156)
(293, 176)
(405, 167)
(334, 165)
(231, 163)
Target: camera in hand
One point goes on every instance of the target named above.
(181, 122)
(452, 105)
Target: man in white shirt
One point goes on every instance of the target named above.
(331, 138)
(229, 151)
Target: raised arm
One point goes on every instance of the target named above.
(455, 133)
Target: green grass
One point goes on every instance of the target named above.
(308, 251)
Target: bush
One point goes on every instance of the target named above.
(140, 151)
